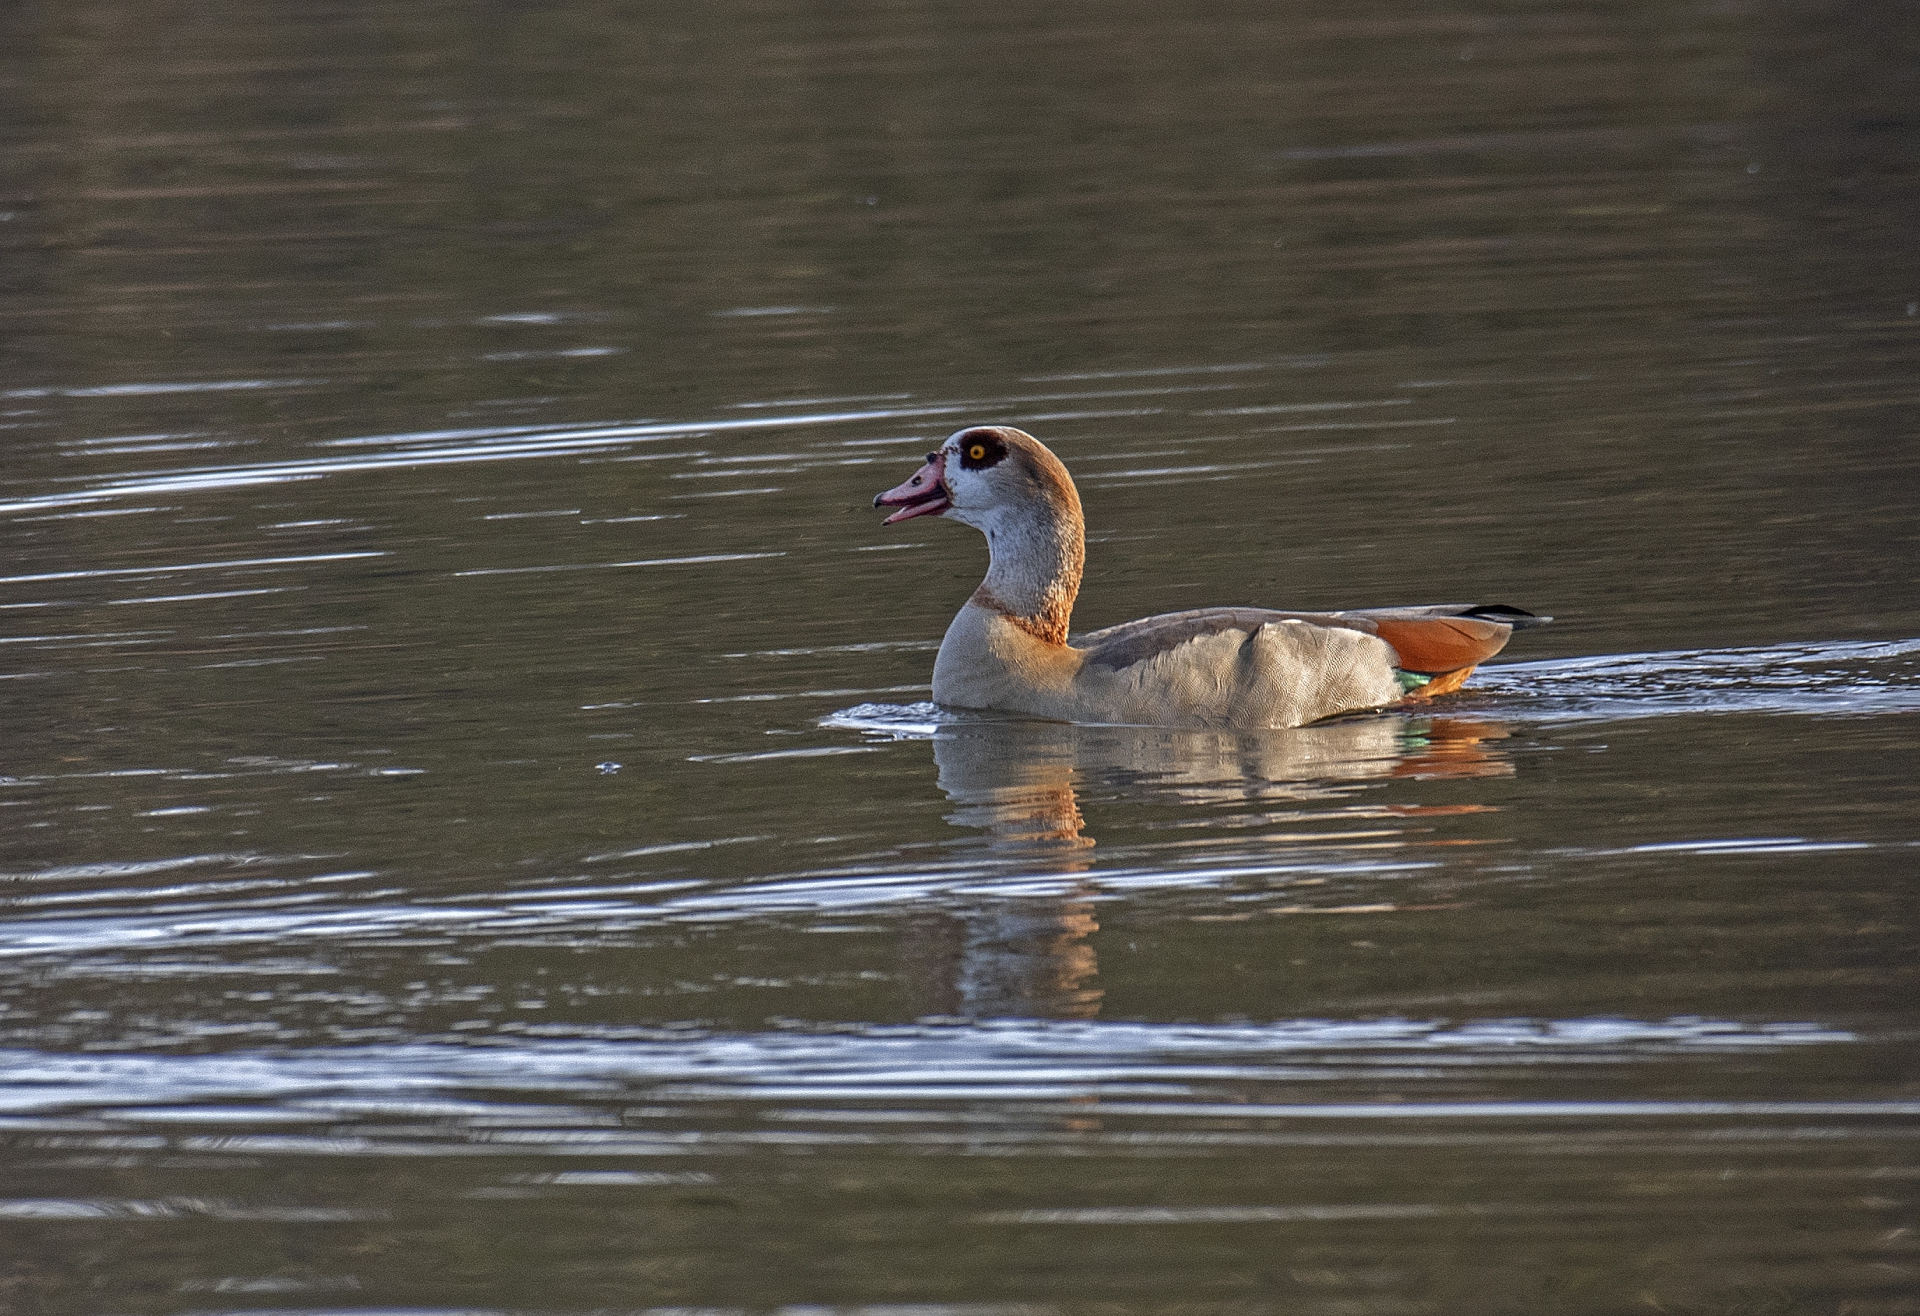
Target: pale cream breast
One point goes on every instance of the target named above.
(987, 660)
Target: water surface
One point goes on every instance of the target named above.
(474, 834)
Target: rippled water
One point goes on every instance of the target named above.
(472, 832)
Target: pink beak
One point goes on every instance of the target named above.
(923, 494)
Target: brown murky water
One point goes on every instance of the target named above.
(471, 834)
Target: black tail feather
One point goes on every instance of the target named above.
(1518, 618)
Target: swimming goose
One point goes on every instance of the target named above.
(1009, 650)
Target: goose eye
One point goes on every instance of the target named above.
(982, 450)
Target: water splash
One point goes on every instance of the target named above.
(1834, 679)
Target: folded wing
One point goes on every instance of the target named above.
(1432, 640)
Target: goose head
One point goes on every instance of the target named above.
(986, 476)
(1006, 484)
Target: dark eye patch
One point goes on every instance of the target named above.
(980, 449)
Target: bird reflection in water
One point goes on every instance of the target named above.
(1019, 785)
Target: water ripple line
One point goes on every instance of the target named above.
(1203, 1065)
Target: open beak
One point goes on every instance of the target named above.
(923, 494)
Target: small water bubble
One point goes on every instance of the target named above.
(1753, 168)
(606, 769)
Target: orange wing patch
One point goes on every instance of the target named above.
(1434, 645)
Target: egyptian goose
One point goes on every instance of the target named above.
(1008, 650)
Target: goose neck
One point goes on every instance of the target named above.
(1033, 575)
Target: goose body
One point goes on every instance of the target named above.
(1009, 648)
